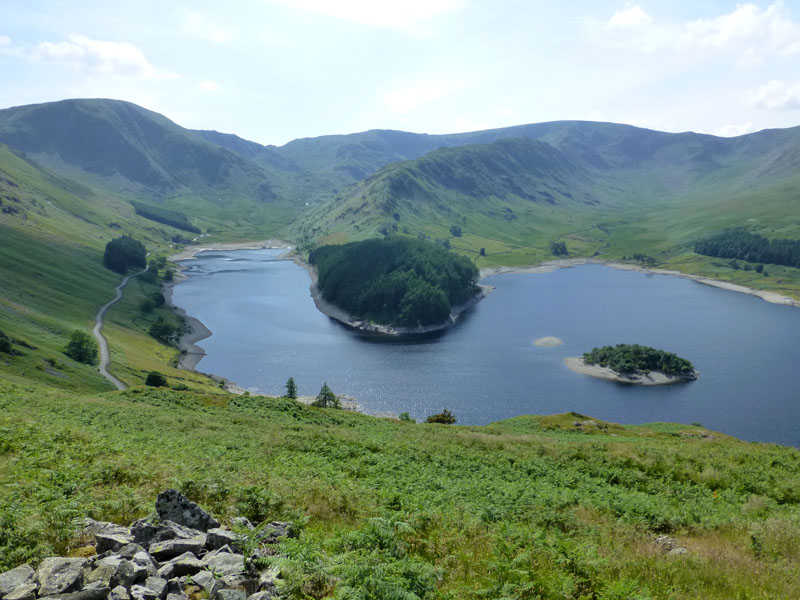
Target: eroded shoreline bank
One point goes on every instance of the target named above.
(567, 263)
(579, 365)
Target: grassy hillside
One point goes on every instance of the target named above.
(128, 152)
(52, 278)
(534, 507)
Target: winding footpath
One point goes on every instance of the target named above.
(101, 340)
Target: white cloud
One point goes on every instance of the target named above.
(733, 130)
(208, 86)
(752, 32)
(5, 40)
(394, 14)
(199, 25)
(100, 57)
(749, 32)
(411, 97)
(633, 15)
(775, 95)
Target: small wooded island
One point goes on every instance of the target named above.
(632, 363)
(396, 285)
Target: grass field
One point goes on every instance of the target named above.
(533, 507)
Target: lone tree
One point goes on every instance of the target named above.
(82, 347)
(445, 417)
(326, 398)
(123, 253)
(291, 389)
(558, 248)
(163, 331)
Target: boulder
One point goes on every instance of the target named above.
(180, 596)
(144, 561)
(229, 595)
(107, 536)
(143, 531)
(185, 564)
(140, 592)
(243, 522)
(60, 575)
(274, 531)
(224, 563)
(165, 550)
(241, 582)
(100, 593)
(27, 591)
(158, 585)
(119, 593)
(264, 595)
(174, 506)
(114, 571)
(129, 550)
(217, 538)
(13, 579)
(169, 530)
(206, 581)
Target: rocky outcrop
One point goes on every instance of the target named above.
(157, 560)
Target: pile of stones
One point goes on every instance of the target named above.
(184, 554)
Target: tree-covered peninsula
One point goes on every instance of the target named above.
(396, 281)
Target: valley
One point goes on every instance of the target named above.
(501, 505)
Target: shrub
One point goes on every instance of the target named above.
(124, 253)
(82, 347)
(155, 379)
(445, 417)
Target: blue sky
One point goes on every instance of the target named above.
(275, 70)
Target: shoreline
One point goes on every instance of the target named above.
(568, 263)
(190, 353)
(345, 318)
(578, 365)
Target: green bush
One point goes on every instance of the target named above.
(155, 379)
(82, 347)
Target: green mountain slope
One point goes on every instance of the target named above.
(124, 150)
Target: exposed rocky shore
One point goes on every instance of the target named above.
(579, 365)
(182, 553)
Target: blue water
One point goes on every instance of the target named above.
(266, 328)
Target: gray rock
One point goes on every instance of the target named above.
(264, 595)
(174, 506)
(275, 530)
(93, 586)
(60, 575)
(11, 580)
(217, 538)
(169, 530)
(143, 531)
(174, 586)
(166, 550)
(113, 541)
(669, 545)
(240, 581)
(119, 593)
(104, 570)
(224, 563)
(229, 595)
(207, 582)
(180, 596)
(27, 591)
(140, 592)
(158, 585)
(100, 593)
(143, 560)
(114, 571)
(185, 564)
(243, 522)
(130, 550)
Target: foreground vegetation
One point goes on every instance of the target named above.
(533, 507)
(629, 358)
(399, 280)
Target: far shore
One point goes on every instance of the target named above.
(566, 263)
(579, 365)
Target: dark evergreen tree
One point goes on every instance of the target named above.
(291, 389)
(558, 248)
(155, 379)
(326, 398)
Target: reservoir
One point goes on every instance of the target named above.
(486, 368)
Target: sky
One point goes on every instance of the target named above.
(275, 70)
